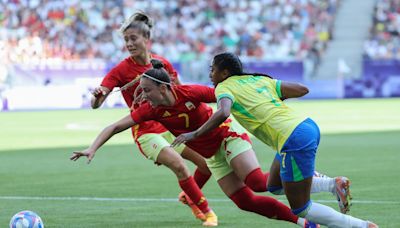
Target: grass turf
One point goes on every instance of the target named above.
(360, 140)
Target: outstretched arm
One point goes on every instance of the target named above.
(292, 90)
(103, 137)
(222, 113)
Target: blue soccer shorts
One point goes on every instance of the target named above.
(297, 157)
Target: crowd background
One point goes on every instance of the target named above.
(75, 42)
(185, 30)
(384, 40)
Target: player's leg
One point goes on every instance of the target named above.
(155, 147)
(274, 184)
(240, 156)
(298, 195)
(174, 161)
(236, 149)
(339, 186)
(247, 168)
(321, 183)
(201, 175)
(297, 169)
(266, 206)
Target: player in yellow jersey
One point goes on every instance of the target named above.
(255, 100)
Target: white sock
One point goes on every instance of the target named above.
(319, 184)
(327, 216)
(301, 221)
(322, 184)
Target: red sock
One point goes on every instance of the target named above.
(263, 205)
(191, 189)
(256, 180)
(201, 178)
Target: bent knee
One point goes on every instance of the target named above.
(180, 169)
(257, 187)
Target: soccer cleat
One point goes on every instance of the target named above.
(342, 192)
(211, 219)
(197, 213)
(371, 225)
(309, 224)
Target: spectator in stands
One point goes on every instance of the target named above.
(384, 40)
(81, 29)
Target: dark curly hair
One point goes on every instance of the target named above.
(231, 62)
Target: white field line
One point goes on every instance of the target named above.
(165, 199)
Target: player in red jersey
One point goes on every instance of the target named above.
(228, 154)
(152, 138)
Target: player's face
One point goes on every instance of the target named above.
(152, 92)
(135, 42)
(217, 75)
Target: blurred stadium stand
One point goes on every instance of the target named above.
(317, 42)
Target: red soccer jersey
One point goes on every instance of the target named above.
(186, 115)
(126, 71)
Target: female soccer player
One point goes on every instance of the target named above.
(256, 102)
(152, 138)
(228, 154)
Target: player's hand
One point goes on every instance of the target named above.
(99, 91)
(77, 154)
(183, 138)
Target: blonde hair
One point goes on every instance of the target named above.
(138, 20)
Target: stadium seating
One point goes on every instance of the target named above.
(184, 30)
(384, 39)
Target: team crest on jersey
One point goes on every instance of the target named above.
(166, 114)
(189, 105)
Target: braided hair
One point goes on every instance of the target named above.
(232, 64)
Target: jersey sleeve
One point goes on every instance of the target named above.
(142, 113)
(278, 87)
(111, 79)
(223, 91)
(204, 94)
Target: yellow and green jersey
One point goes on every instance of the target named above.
(258, 107)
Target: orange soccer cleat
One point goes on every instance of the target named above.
(211, 219)
(197, 213)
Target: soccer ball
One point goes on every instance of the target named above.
(26, 219)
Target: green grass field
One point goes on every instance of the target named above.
(120, 188)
